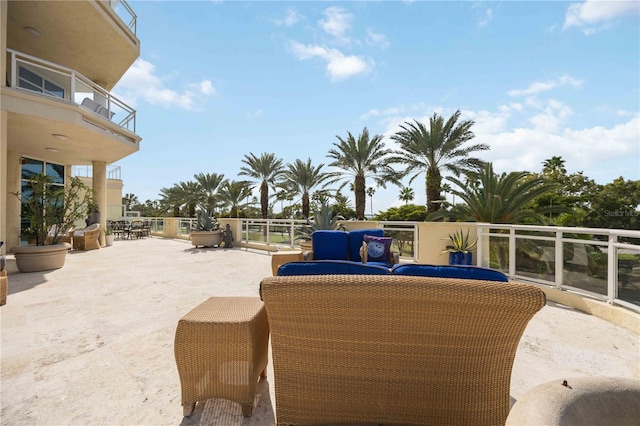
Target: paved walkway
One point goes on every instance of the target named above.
(92, 343)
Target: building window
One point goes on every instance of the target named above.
(29, 80)
(30, 168)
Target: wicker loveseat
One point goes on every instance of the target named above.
(394, 349)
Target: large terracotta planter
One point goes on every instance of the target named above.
(41, 258)
(206, 238)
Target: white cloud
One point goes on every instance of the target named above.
(595, 15)
(486, 18)
(337, 23)
(339, 66)
(543, 86)
(291, 18)
(140, 82)
(377, 39)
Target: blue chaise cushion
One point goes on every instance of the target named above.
(330, 245)
(330, 267)
(355, 241)
(445, 271)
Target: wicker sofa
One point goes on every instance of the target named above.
(393, 348)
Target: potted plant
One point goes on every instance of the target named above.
(207, 232)
(460, 248)
(322, 219)
(51, 210)
(108, 236)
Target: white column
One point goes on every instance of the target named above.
(99, 185)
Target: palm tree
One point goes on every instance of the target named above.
(499, 199)
(171, 199)
(302, 178)
(370, 192)
(435, 148)
(265, 170)
(232, 193)
(554, 167)
(406, 194)
(130, 200)
(208, 187)
(360, 159)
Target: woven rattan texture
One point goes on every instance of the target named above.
(221, 349)
(88, 241)
(395, 349)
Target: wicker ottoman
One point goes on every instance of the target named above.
(221, 350)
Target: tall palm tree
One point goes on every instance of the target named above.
(554, 167)
(435, 148)
(302, 178)
(265, 170)
(208, 187)
(370, 191)
(499, 199)
(233, 193)
(359, 159)
(406, 194)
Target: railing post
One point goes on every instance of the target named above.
(559, 259)
(479, 231)
(612, 269)
(14, 70)
(72, 95)
(267, 224)
(512, 252)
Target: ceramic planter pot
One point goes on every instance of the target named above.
(41, 258)
(460, 258)
(206, 238)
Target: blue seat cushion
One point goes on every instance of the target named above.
(330, 245)
(330, 267)
(355, 241)
(446, 271)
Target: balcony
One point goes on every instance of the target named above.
(45, 99)
(95, 38)
(48, 79)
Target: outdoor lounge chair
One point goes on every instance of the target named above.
(395, 349)
(63, 237)
(87, 238)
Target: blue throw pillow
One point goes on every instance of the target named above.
(378, 248)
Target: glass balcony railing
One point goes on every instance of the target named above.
(601, 263)
(125, 13)
(48, 79)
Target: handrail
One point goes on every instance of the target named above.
(132, 24)
(76, 88)
(557, 259)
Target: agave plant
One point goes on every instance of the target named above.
(205, 222)
(460, 243)
(322, 218)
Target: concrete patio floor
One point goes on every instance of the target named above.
(92, 343)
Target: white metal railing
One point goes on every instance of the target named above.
(589, 261)
(280, 232)
(33, 74)
(113, 172)
(124, 12)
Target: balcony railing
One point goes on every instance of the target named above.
(124, 12)
(48, 79)
(601, 263)
(113, 172)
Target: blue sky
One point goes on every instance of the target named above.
(220, 79)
